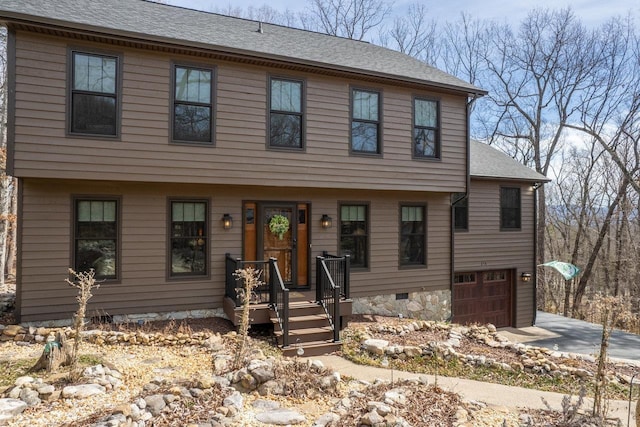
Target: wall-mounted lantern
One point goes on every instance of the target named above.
(525, 277)
(227, 221)
(326, 221)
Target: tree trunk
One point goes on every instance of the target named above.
(5, 203)
(55, 354)
(586, 274)
(541, 229)
(10, 267)
(567, 297)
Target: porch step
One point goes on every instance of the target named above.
(306, 335)
(303, 322)
(309, 328)
(315, 348)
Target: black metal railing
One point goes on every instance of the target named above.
(232, 282)
(279, 299)
(340, 270)
(332, 285)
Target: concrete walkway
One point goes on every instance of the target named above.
(491, 394)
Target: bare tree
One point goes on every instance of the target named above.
(7, 183)
(609, 108)
(348, 18)
(534, 78)
(413, 34)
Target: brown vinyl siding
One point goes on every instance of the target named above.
(485, 247)
(144, 154)
(144, 287)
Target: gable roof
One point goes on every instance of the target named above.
(488, 162)
(145, 20)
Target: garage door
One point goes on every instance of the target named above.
(483, 297)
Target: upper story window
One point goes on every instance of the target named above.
(426, 135)
(365, 121)
(510, 208)
(96, 237)
(354, 234)
(461, 212)
(189, 242)
(413, 235)
(285, 114)
(192, 104)
(94, 94)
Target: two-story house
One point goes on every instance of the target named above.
(150, 141)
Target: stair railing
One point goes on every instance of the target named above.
(340, 270)
(279, 299)
(328, 294)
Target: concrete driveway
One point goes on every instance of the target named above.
(575, 336)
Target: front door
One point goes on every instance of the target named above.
(279, 239)
(279, 230)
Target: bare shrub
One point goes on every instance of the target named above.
(251, 280)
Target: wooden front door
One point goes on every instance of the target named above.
(289, 248)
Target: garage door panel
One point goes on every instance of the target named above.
(483, 297)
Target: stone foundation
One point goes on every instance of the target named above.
(138, 318)
(434, 305)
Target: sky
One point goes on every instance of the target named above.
(591, 12)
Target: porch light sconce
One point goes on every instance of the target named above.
(227, 221)
(325, 221)
(526, 277)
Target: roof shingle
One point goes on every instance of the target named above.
(488, 162)
(158, 22)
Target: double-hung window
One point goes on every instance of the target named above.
(96, 237)
(426, 138)
(189, 241)
(510, 208)
(413, 232)
(365, 121)
(460, 212)
(94, 94)
(285, 114)
(354, 234)
(192, 104)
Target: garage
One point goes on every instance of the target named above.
(483, 297)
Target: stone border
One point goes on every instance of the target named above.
(532, 358)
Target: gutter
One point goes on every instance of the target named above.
(464, 197)
(535, 250)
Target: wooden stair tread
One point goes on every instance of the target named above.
(307, 331)
(313, 348)
(305, 318)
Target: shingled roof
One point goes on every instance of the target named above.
(145, 20)
(488, 162)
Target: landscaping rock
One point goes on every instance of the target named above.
(155, 404)
(30, 397)
(9, 408)
(326, 419)
(281, 417)
(82, 391)
(235, 400)
(375, 346)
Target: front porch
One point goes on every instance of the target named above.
(307, 319)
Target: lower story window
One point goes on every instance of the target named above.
(189, 241)
(412, 235)
(354, 234)
(96, 237)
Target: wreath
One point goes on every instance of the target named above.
(279, 225)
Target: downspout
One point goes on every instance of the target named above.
(536, 185)
(465, 196)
